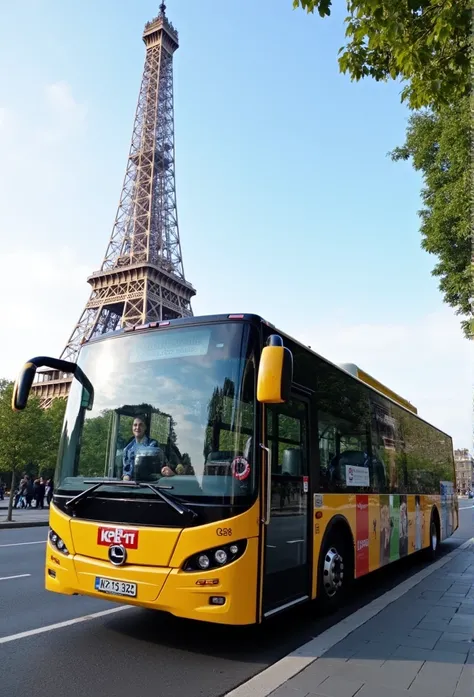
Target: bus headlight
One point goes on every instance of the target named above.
(215, 557)
(203, 561)
(220, 556)
(57, 542)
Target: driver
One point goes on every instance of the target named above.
(141, 440)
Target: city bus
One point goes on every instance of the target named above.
(216, 469)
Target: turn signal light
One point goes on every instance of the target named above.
(207, 582)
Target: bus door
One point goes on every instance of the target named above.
(287, 577)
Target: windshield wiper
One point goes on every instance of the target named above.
(170, 500)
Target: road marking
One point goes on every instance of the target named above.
(19, 544)
(277, 674)
(60, 625)
(7, 578)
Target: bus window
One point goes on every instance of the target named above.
(342, 448)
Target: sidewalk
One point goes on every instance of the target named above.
(23, 517)
(407, 643)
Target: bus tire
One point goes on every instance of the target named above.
(335, 568)
(431, 552)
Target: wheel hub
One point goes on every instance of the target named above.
(333, 572)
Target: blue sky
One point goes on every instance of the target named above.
(288, 203)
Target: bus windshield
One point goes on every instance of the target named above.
(172, 407)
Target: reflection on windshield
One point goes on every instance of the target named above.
(174, 405)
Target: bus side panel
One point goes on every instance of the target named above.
(374, 532)
(385, 527)
(412, 523)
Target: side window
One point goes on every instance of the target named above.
(344, 432)
(287, 439)
(344, 453)
(389, 447)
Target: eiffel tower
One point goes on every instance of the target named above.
(142, 276)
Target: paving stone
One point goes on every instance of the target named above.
(343, 651)
(457, 636)
(429, 690)
(338, 686)
(459, 629)
(452, 646)
(432, 670)
(436, 680)
(374, 657)
(419, 642)
(467, 601)
(436, 585)
(312, 676)
(448, 602)
(374, 691)
(461, 620)
(440, 612)
(379, 648)
(465, 686)
(432, 595)
(407, 653)
(447, 656)
(438, 625)
(397, 673)
(410, 653)
(357, 672)
(467, 609)
(286, 691)
(426, 633)
(365, 633)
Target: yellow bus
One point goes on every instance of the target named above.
(216, 469)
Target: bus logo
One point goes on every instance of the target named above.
(117, 555)
(117, 536)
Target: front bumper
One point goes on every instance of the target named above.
(163, 588)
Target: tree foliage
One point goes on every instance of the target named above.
(28, 439)
(439, 145)
(425, 43)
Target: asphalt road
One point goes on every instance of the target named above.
(142, 652)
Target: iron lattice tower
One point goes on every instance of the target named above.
(142, 276)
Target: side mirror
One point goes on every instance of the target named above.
(23, 383)
(275, 373)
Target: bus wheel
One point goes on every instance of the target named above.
(335, 571)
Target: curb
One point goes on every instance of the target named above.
(268, 680)
(31, 524)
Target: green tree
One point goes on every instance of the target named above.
(424, 43)
(22, 436)
(439, 145)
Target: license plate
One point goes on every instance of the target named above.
(112, 587)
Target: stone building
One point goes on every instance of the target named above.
(464, 470)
